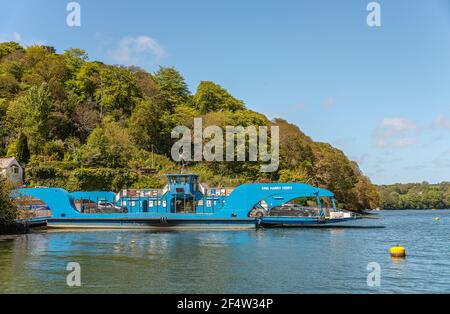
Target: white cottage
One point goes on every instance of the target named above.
(11, 170)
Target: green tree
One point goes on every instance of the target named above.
(367, 195)
(299, 175)
(145, 82)
(8, 211)
(9, 86)
(29, 113)
(89, 179)
(38, 104)
(332, 170)
(42, 65)
(23, 153)
(74, 59)
(4, 131)
(295, 148)
(8, 48)
(86, 118)
(212, 97)
(108, 146)
(13, 67)
(173, 89)
(86, 82)
(146, 124)
(118, 93)
(16, 113)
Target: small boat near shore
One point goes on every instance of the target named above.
(184, 203)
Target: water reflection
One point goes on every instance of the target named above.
(256, 261)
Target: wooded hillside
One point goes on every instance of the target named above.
(84, 125)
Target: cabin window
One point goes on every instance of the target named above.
(150, 204)
(195, 183)
(208, 203)
(145, 206)
(183, 206)
(15, 169)
(164, 204)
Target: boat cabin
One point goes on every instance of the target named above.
(182, 194)
(182, 185)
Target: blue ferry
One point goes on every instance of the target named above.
(184, 203)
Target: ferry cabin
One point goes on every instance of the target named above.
(183, 194)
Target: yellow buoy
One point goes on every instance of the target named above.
(437, 218)
(398, 251)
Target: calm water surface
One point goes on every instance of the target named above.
(264, 261)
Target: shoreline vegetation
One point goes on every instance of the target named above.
(9, 212)
(415, 196)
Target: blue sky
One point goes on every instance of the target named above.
(381, 94)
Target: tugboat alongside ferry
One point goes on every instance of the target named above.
(185, 204)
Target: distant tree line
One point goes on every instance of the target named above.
(415, 196)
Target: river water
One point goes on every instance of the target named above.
(328, 260)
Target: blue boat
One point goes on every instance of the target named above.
(184, 203)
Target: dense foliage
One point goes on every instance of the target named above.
(8, 210)
(82, 124)
(415, 196)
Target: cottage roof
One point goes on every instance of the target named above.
(6, 162)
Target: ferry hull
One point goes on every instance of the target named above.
(152, 224)
(286, 222)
